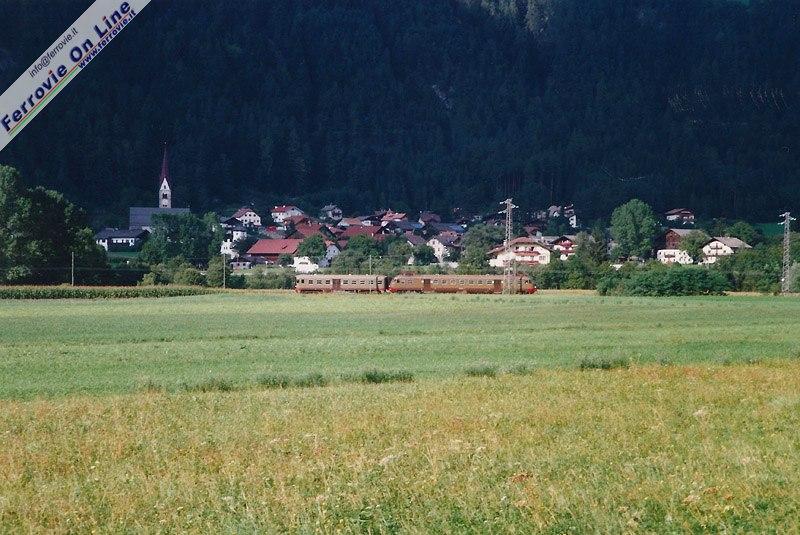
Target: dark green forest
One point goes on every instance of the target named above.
(423, 104)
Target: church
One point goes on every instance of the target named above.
(141, 218)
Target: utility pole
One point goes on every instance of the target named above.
(224, 269)
(787, 244)
(72, 269)
(508, 270)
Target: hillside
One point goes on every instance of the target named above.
(424, 104)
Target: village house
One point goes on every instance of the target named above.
(444, 245)
(308, 228)
(332, 250)
(413, 240)
(283, 212)
(247, 217)
(401, 227)
(680, 215)
(232, 235)
(112, 239)
(373, 220)
(240, 264)
(674, 256)
(351, 222)
(390, 217)
(375, 232)
(330, 212)
(426, 218)
(564, 246)
(303, 264)
(720, 247)
(524, 250)
(432, 229)
(271, 250)
(672, 237)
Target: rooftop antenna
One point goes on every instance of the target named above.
(509, 269)
(787, 243)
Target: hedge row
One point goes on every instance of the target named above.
(662, 282)
(99, 292)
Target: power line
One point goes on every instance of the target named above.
(509, 269)
(787, 243)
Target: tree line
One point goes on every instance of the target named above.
(424, 105)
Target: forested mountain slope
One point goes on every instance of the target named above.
(424, 104)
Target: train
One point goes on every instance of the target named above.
(404, 283)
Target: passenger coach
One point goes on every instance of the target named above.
(470, 284)
(341, 283)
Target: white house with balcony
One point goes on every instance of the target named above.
(720, 247)
(247, 216)
(525, 251)
(284, 212)
(674, 256)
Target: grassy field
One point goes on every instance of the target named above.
(649, 449)
(52, 348)
(104, 427)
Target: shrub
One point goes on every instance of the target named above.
(274, 381)
(213, 384)
(311, 380)
(270, 280)
(676, 281)
(189, 277)
(521, 369)
(383, 376)
(283, 381)
(99, 292)
(603, 363)
(483, 370)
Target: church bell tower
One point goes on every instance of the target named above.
(164, 189)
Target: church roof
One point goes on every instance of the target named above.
(140, 217)
(164, 169)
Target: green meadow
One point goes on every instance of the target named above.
(58, 347)
(260, 412)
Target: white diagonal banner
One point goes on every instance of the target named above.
(62, 61)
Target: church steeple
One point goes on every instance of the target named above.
(164, 189)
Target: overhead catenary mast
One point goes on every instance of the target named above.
(509, 268)
(787, 243)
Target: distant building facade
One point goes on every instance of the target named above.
(521, 251)
(116, 239)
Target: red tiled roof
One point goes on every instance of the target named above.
(360, 230)
(296, 219)
(274, 247)
(393, 216)
(310, 229)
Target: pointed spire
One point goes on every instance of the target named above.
(164, 168)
